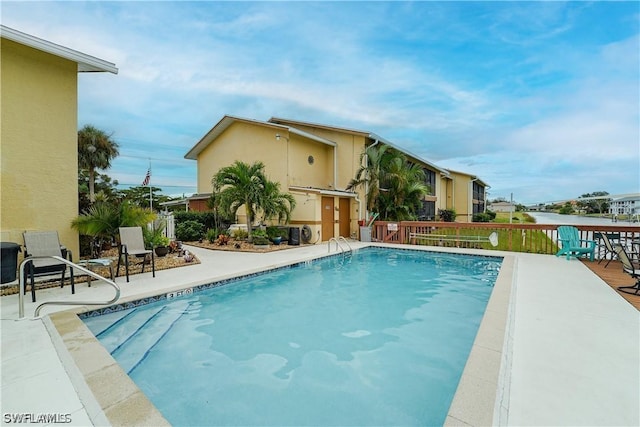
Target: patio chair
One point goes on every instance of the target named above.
(569, 238)
(43, 244)
(132, 244)
(608, 248)
(630, 269)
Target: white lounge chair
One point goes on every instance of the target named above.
(43, 244)
(132, 244)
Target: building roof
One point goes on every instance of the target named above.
(366, 134)
(227, 121)
(86, 63)
(290, 126)
(628, 199)
(282, 121)
(442, 171)
(473, 177)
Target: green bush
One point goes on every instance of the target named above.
(189, 231)
(258, 232)
(212, 235)
(260, 241)
(447, 215)
(482, 217)
(240, 234)
(207, 219)
(154, 238)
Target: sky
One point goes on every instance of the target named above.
(541, 100)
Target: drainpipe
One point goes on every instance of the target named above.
(366, 186)
(470, 205)
(335, 167)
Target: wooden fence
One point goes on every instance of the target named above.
(532, 238)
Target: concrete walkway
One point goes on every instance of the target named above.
(574, 343)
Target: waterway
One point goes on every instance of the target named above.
(554, 218)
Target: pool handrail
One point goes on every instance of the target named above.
(72, 265)
(338, 245)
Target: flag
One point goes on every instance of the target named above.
(147, 178)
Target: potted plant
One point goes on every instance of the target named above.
(162, 246)
(274, 235)
(260, 238)
(155, 239)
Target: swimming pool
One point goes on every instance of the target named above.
(380, 337)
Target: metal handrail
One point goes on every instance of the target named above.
(340, 238)
(338, 245)
(72, 265)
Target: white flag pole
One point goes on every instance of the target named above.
(150, 191)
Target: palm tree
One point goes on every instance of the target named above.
(246, 185)
(240, 185)
(374, 164)
(96, 149)
(103, 219)
(404, 190)
(395, 187)
(277, 204)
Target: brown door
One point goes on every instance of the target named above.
(327, 218)
(345, 217)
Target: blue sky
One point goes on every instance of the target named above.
(539, 99)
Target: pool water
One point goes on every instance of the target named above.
(379, 337)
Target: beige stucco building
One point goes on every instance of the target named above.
(39, 134)
(466, 194)
(315, 163)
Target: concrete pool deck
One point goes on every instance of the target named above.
(572, 348)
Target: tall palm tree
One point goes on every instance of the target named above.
(96, 149)
(240, 185)
(246, 185)
(372, 163)
(404, 190)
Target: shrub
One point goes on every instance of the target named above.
(212, 235)
(260, 240)
(276, 231)
(240, 234)
(447, 215)
(189, 231)
(258, 232)
(207, 219)
(482, 217)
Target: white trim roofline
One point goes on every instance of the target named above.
(86, 63)
(228, 120)
(440, 169)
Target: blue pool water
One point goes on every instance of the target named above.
(376, 338)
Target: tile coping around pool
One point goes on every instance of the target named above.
(110, 397)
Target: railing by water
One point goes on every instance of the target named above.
(531, 238)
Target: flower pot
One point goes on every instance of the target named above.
(162, 251)
(276, 240)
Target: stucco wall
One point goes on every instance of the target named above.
(317, 174)
(461, 190)
(246, 143)
(38, 143)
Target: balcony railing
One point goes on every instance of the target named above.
(531, 238)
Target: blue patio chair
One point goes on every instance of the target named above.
(572, 244)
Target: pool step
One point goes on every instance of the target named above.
(124, 324)
(100, 324)
(130, 352)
